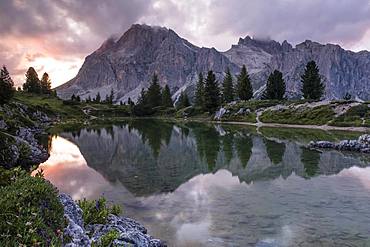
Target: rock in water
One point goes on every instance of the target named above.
(127, 65)
(130, 232)
(362, 144)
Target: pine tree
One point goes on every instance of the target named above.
(78, 98)
(154, 92)
(130, 102)
(183, 101)
(32, 84)
(97, 98)
(45, 84)
(275, 86)
(73, 97)
(211, 93)
(228, 89)
(88, 100)
(6, 86)
(166, 97)
(111, 97)
(312, 87)
(199, 93)
(244, 87)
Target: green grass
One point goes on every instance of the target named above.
(253, 105)
(249, 118)
(311, 116)
(49, 104)
(354, 117)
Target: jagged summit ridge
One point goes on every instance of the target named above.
(127, 64)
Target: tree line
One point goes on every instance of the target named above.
(35, 85)
(209, 96)
(32, 85)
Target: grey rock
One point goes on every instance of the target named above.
(362, 144)
(220, 113)
(75, 229)
(127, 65)
(130, 232)
(3, 125)
(243, 111)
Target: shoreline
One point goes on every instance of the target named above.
(257, 125)
(297, 126)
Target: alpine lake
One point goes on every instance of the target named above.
(197, 184)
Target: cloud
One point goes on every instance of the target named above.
(61, 30)
(221, 22)
(68, 30)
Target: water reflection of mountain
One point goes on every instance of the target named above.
(150, 156)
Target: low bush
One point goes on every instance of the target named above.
(31, 213)
(97, 211)
(315, 116)
(107, 239)
(356, 116)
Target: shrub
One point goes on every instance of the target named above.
(97, 211)
(107, 239)
(31, 214)
(317, 116)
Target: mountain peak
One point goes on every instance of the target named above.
(267, 44)
(127, 65)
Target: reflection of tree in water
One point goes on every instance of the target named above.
(227, 147)
(310, 159)
(274, 150)
(109, 130)
(208, 143)
(46, 142)
(184, 131)
(153, 132)
(243, 145)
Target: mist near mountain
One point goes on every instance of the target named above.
(127, 64)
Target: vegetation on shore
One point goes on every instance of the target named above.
(32, 214)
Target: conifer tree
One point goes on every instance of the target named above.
(166, 97)
(6, 86)
(154, 92)
(312, 86)
(78, 98)
(32, 84)
(97, 98)
(211, 93)
(73, 97)
(45, 84)
(88, 100)
(227, 88)
(244, 86)
(130, 102)
(199, 93)
(275, 86)
(183, 101)
(111, 97)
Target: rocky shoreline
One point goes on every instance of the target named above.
(130, 232)
(362, 144)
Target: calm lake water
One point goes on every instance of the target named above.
(194, 184)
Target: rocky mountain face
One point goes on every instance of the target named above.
(127, 65)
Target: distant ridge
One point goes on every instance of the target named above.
(127, 64)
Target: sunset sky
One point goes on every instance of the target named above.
(55, 36)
